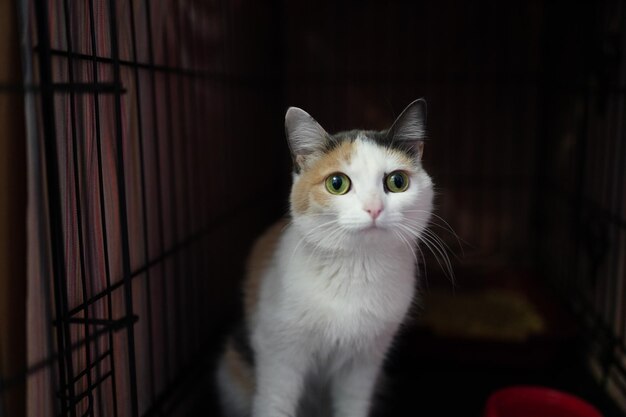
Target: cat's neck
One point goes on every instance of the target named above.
(363, 268)
(377, 248)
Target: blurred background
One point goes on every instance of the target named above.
(142, 151)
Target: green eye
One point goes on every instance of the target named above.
(338, 183)
(397, 182)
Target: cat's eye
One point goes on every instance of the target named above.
(397, 182)
(337, 183)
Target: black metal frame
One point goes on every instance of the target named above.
(65, 317)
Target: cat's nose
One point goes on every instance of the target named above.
(374, 210)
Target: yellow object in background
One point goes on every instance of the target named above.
(494, 314)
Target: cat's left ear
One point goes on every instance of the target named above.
(409, 129)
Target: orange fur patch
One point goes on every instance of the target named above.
(238, 369)
(310, 186)
(261, 254)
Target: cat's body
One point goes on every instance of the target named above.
(327, 291)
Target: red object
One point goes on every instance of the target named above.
(537, 402)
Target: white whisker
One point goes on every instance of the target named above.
(434, 244)
(442, 253)
(309, 234)
(409, 246)
(445, 226)
(442, 243)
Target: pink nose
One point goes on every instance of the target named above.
(374, 211)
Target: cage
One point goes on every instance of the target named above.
(143, 150)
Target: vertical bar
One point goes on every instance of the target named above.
(619, 314)
(615, 209)
(157, 156)
(174, 209)
(79, 220)
(220, 163)
(619, 177)
(121, 184)
(579, 181)
(103, 220)
(143, 196)
(54, 196)
(35, 155)
(189, 270)
(14, 214)
(197, 152)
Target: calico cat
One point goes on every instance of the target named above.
(327, 290)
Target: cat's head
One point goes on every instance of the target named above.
(359, 187)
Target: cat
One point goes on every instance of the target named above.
(327, 290)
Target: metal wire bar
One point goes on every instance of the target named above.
(174, 180)
(54, 192)
(103, 221)
(122, 207)
(159, 193)
(218, 76)
(72, 88)
(77, 193)
(144, 212)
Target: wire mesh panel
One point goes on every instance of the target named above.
(582, 177)
(146, 202)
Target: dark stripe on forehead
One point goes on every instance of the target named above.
(337, 139)
(378, 137)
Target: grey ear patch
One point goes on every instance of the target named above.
(304, 135)
(409, 129)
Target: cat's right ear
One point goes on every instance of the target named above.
(304, 135)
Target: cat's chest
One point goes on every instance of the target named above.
(354, 298)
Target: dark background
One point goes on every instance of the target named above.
(525, 146)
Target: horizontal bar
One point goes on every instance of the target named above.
(95, 298)
(92, 365)
(95, 87)
(94, 322)
(113, 325)
(78, 88)
(519, 78)
(77, 398)
(18, 88)
(206, 74)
